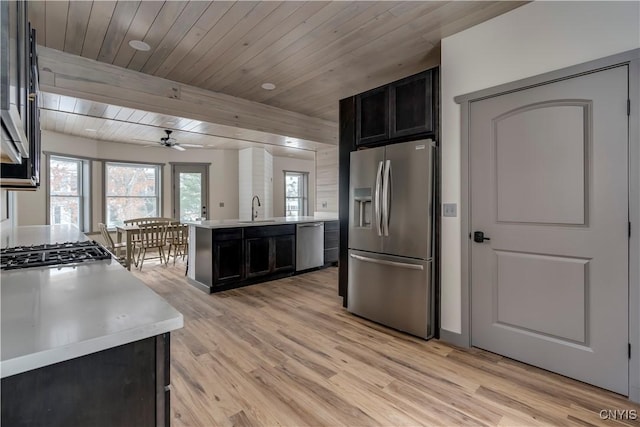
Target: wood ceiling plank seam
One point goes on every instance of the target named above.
(82, 106)
(163, 22)
(67, 103)
(314, 40)
(51, 100)
(77, 21)
(97, 109)
(136, 115)
(205, 23)
(142, 21)
(69, 124)
(183, 70)
(124, 114)
(176, 33)
(118, 27)
(407, 60)
(56, 13)
(490, 11)
(38, 20)
(239, 30)
(111, 111)
(81, 125)
(238, 64)
(99, 20)
(355, 40)
(276, 21)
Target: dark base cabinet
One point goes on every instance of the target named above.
(270, 249)
(331, 242)
(122, 386)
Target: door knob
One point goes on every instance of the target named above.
(478, 237)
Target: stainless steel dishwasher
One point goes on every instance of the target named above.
(309, 245)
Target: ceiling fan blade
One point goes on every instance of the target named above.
(144, 140)
(192, 145)
(177, 147)
(151, 146)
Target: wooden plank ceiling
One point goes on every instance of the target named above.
(314, 52)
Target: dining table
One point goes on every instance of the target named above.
(129, 231)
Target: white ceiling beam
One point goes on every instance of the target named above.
(71, 75)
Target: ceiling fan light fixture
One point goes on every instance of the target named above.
(139, 45)
(268, 86)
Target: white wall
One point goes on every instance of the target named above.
(327, 181)
(533, 39)
(281, 164)
(223, 175)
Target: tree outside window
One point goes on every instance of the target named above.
(132, 191)
(295, 190)
(65, 191)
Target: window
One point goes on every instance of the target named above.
(295, 190)
(131, 191)
(68, 181)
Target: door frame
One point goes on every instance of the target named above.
(630, 58)
(206, 166)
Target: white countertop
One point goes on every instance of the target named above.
(40, 234)
(232, 223)
(53, 314)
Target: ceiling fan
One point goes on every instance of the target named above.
(170, 142)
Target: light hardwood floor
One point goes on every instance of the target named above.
(285, 353)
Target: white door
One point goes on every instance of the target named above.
(549, 188)
(190, 191)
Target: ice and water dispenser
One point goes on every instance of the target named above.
(362, 208)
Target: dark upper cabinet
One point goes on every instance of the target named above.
(400, 109)
(372, 116)
(411, 105)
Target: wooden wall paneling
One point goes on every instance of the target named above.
(36, 11)
(327, 179)
(99, 82)
(260, 45)
(99, 20)
(186, 68)
(307, 66)
(332, 21)
(50, 101)
(242, 27)
(118, 27)
(257, 38)
(205, 23)
(111, 111)
(56, 23)
(82, 107)
(67, 103)
(77, 20)
(69, 125)
(178, 30)
(142, 21)
(170, 11)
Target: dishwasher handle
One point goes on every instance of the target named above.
(318, 224)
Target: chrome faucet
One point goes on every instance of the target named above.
(254, 212)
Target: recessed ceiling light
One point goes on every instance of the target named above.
(90, 130)
(139, 45)
(268, 86)
(288, 141)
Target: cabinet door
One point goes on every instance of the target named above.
(258, 258)
(372, 116)
(284, 254)
(411, 105)
(228, 264)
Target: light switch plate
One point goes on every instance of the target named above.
(450, 209)
(221, 204)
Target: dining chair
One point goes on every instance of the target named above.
(151, 236)
(114, 248)
(178, 239)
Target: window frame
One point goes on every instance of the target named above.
(83, 185)
(159, 167)
(304, 198)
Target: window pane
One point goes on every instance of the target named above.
(64, 210)
(293, 185)
(190, 196)
(121, 208)
(293, 207)
(63, 177)
(133, 180)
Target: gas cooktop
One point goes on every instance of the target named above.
(51, 254)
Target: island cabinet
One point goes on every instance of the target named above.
(269, 250)
(228, 262)
(127, 385)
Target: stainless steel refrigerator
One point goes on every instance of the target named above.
(390, 236)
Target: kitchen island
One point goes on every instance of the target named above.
(82, 344)
(226, 254)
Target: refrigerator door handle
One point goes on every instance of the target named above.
(386, 197)
(384, 262)
(376, 200)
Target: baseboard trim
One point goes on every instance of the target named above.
(453, 338)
